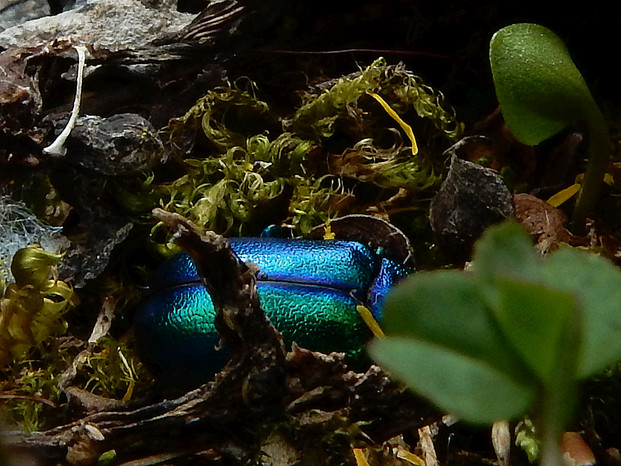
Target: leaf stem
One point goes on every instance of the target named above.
(599, 154)
(553, 418)
(559, 391)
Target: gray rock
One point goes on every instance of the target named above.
(14, 12)
(122, 144)
(471, 199)
(84, 261)
(110, 25)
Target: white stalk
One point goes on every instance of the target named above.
(57, 148)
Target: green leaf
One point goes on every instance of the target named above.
(596, 284)
(445, 306)
(504, 251)
(535, 320)
(466, 387)
(539, 88)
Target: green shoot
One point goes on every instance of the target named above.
(517, 332)
(540, 92)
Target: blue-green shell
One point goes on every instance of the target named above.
(308, 289)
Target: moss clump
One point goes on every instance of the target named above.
(31, 320)
(225, 191)
(247, 164)
(319, 115)
(112, 370)
(31, 393)
(32, 308)
(36, 357)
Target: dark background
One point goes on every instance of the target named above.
(446, 43)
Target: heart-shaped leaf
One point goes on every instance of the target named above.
(483, 344)
(534, 319)
(447, 307)
(504, 251)
(596, 284)
(539, 88)
(461, 385)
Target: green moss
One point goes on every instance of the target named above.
(317, 118)
(31, 320)
(33, 307)
(247, 164)
(35, 353)
(113, 369)
(223, 192)
(31, 393)
(225, 115)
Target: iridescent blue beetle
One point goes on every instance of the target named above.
(310, 291)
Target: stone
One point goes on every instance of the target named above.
(471, 199)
